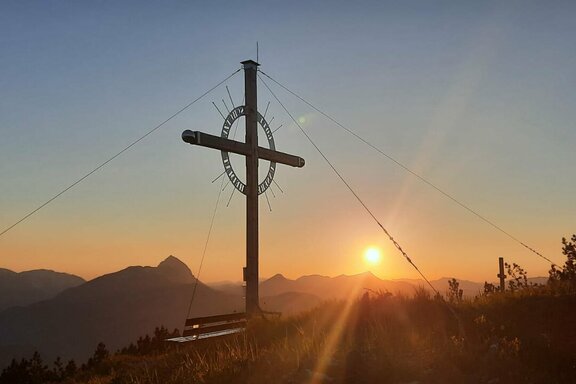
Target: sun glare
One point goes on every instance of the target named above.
(372, 256)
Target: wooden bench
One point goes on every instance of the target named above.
(199, 328)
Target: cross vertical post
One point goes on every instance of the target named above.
(252, 246)
(250, 149)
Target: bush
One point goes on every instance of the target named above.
(564, 279)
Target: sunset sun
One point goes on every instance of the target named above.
(372, 256)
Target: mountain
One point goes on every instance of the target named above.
(345, 286)
(116, 309)
(24, 288)
(340, 287)
(470, 288)
(286, 303)
(230, 287)
(279, 294)
(289, 303)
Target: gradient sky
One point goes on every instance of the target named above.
(477, 97)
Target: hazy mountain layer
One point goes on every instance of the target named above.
(340, 287)
(116, 308)
(24, 288)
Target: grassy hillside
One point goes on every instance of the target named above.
(525, 337)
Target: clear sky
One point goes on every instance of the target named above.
(477, 97)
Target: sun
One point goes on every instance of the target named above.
(372, 256)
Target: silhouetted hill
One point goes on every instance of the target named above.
(24, 288)
(290, 303)
(470, 288)
(116, 308)
(286, 302)
(175, 270)
(230, 287)
(289, 297)
(340, 287)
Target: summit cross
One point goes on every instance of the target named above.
(252, 152)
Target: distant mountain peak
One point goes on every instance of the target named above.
(171, 261)
(278, 276)
(315, 276)
(175, 269)
(369, 275)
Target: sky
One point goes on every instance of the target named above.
(476, 97)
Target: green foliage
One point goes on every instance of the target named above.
(98, 360)
(564, 279)
(454, 292)
(517, 277)
(489, 289)
(70, 369)
(34, 371)
(384, 339)
(379, 338)
(155, 344)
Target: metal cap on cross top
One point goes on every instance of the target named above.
(251, 187)
(249, 63)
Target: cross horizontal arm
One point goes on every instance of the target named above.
(280, 157)
(227, 145)
(216, 142)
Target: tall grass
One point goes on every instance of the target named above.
(380, 339)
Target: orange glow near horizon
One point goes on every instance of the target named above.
(80, 254)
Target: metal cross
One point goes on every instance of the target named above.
(253, 153)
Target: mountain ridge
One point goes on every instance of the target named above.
(28, 287)
(119, 307)
(116, 309)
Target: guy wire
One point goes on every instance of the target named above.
(117, 154)
(421, 178)
(396, 244)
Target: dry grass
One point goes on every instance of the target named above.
(380, 339)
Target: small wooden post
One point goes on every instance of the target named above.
(501, 275)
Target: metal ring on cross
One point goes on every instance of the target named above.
(234, 115)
